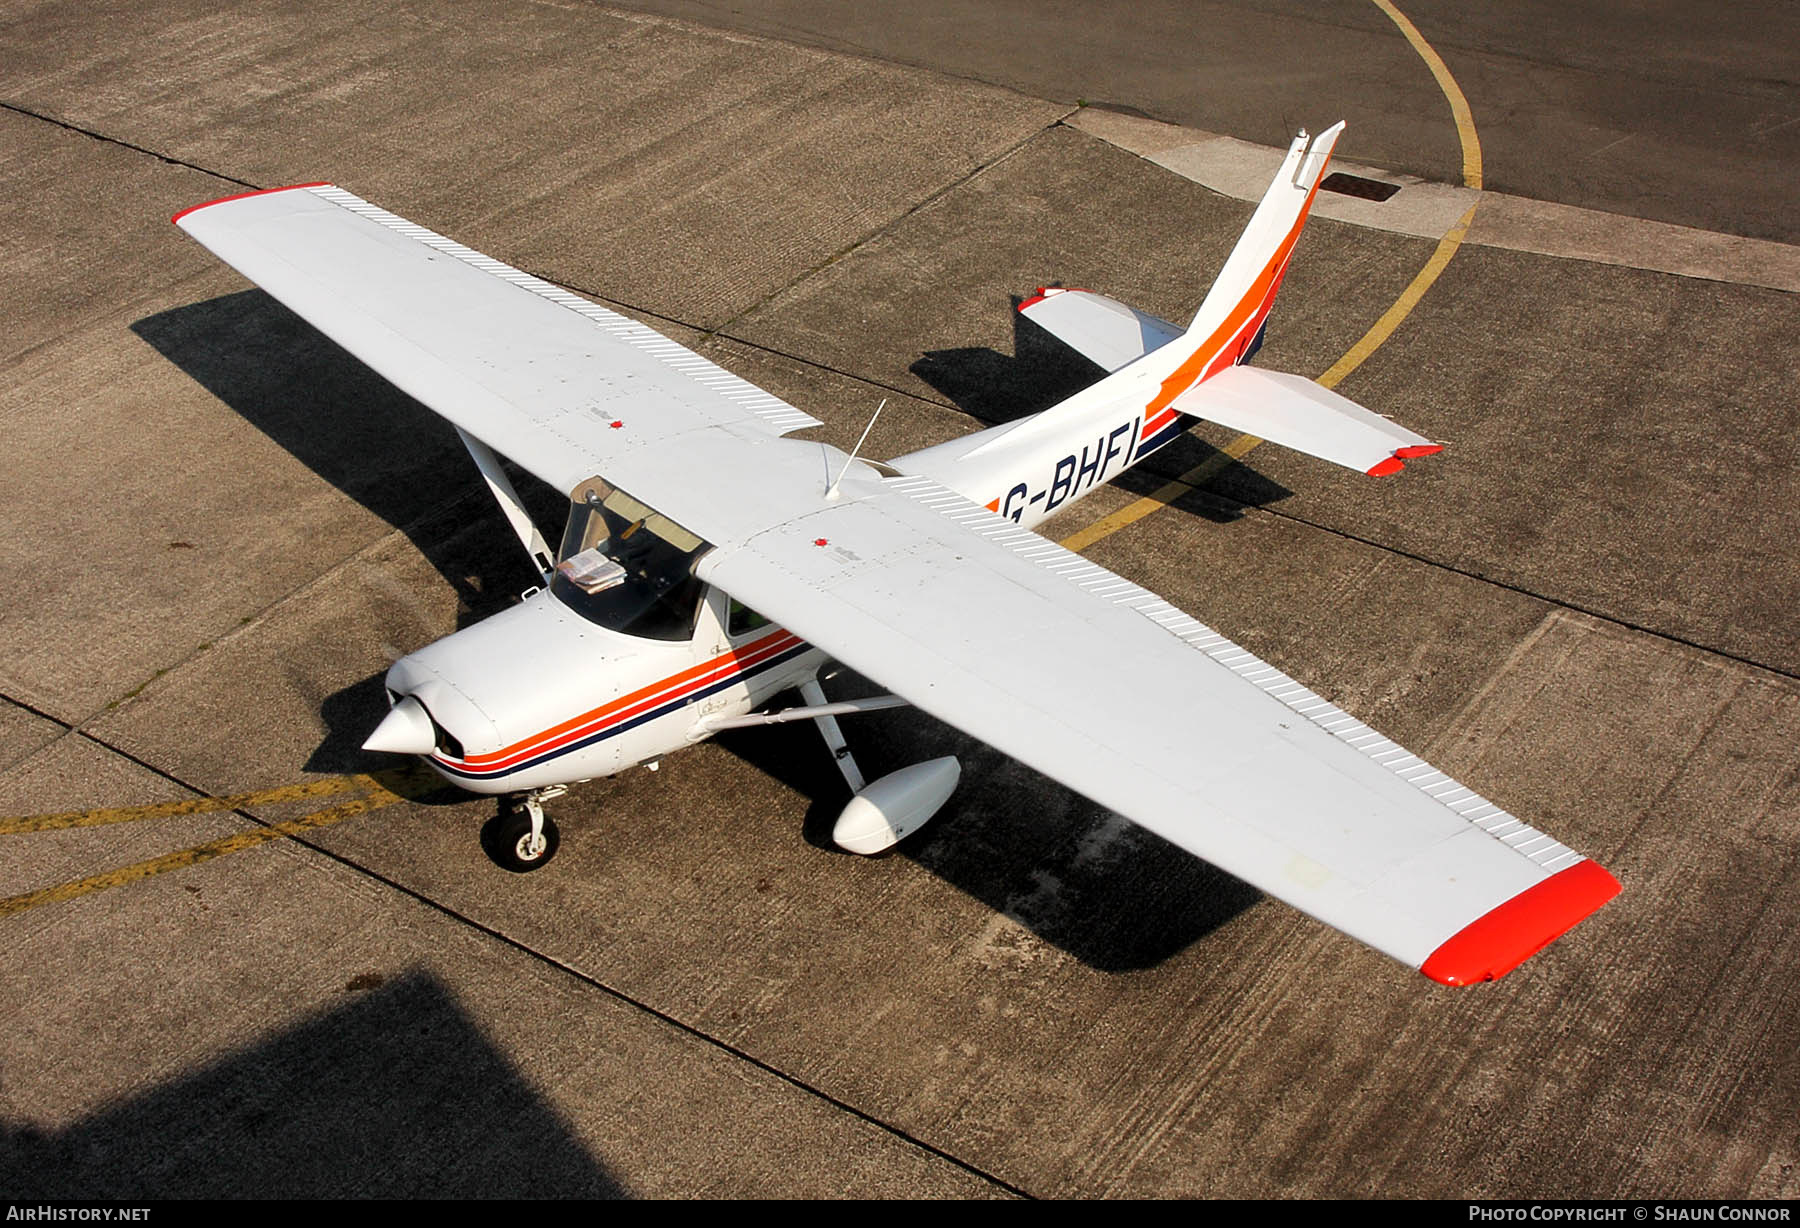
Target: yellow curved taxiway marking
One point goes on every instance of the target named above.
(375, 789)
(1371, 341)
(1459, 105)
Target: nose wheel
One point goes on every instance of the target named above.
(524, 838)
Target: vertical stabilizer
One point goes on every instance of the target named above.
(1132, 412)
(1228, 322)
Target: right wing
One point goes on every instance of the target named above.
(1105, 687)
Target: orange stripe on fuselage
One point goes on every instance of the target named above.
(1155, 422)
(1262, 291)
(745, 656)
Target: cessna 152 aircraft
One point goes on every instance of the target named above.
(710, 563)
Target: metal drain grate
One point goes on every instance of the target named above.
(1356, 185)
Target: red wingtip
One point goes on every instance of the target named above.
(242, 195)
(1044, 292)
(1493, 945)
(1397, 462)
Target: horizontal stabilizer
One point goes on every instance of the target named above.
(1153, 363)
(1298, 413)
(1103, 330)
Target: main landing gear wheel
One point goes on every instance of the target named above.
(524, 841)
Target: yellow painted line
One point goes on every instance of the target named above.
(1459, 105)
(163, 810)
(1371, 341)
(376, 794)
(1133, 512)
(1409, 298)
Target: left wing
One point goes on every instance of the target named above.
(563, 386)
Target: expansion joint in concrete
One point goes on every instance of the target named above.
(170, 159)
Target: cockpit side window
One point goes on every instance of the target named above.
(627, 567)
(742, 619)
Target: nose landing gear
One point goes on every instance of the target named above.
(524, 838)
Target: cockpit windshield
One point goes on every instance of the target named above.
(628, 567)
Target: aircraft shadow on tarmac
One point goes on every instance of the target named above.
(357, 431)
(1094, 885)
(1041, 371)
(394, 1093)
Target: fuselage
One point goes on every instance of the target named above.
(625, 657)
(1031, 469)
(538, 696)
(628, 652)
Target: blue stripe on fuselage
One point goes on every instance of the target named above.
(642, 718)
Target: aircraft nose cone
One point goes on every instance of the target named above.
(405, 730)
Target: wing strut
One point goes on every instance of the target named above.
(812, 712)
(508, 499)
(814, 695)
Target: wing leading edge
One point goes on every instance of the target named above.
(561, 385)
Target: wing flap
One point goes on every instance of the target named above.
(561, 385)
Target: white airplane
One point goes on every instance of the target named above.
(710, 563)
